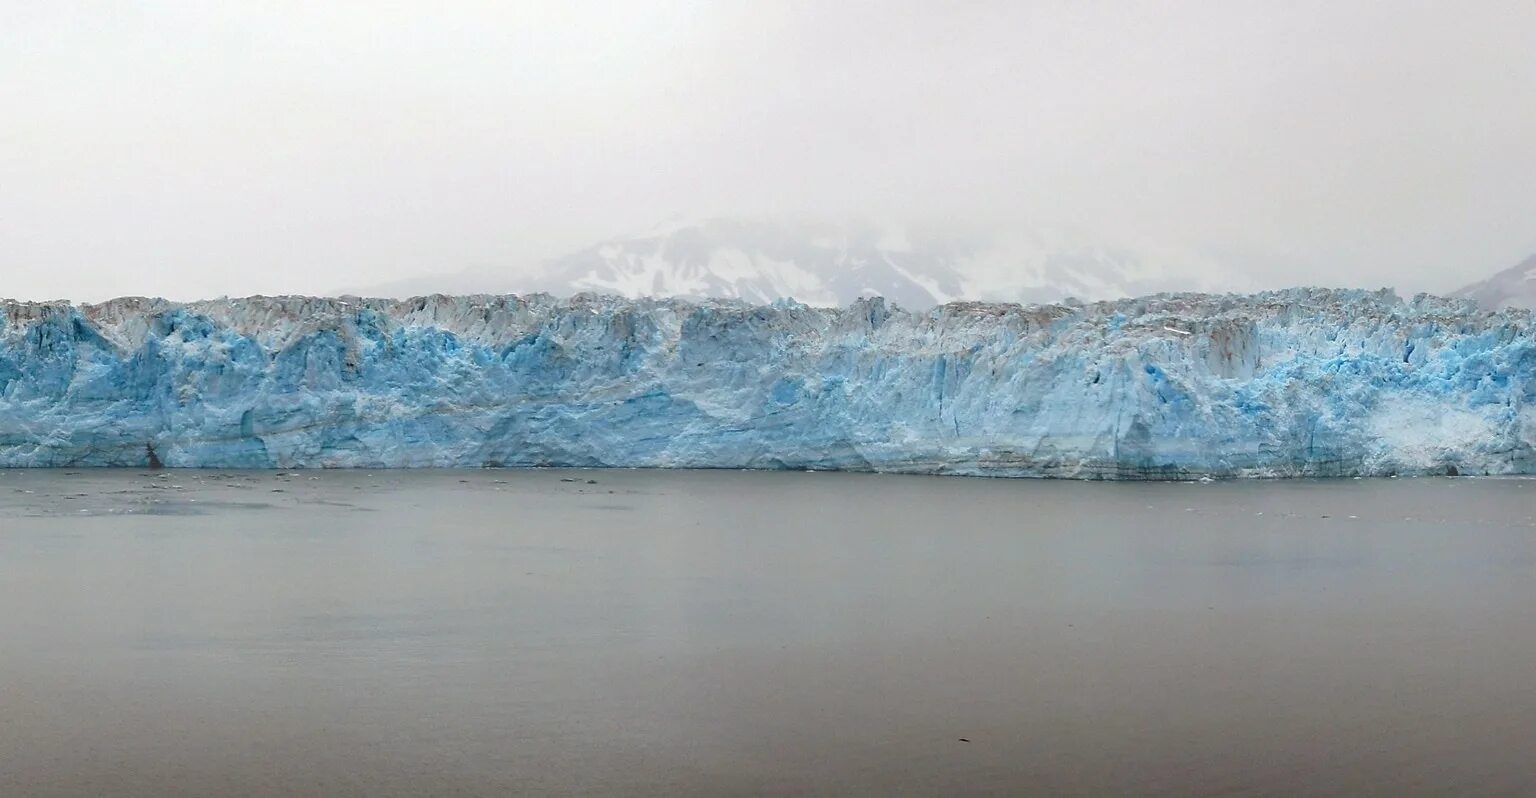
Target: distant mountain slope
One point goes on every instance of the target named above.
(1512, 288)
(821, 263)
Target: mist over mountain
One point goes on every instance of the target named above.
(834, 263)
(1514, 287)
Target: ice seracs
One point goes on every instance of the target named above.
(1291, 383)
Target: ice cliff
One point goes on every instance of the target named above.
(1293, 383)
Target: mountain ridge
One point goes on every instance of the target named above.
(828, 264)
(1514, 287)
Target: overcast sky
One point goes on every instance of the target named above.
(198, 148)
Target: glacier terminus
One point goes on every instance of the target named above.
(1304, 382)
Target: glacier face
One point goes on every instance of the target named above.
(1293, 383)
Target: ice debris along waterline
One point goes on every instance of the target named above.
(1292, 383)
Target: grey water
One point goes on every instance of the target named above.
(715, 633)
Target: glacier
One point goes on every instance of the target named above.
(1304, 382)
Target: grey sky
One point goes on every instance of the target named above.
(197, 149)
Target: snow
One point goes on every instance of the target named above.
(829, 263)
(924, 282)
(1514, 287)
(826, 263)
(1307, 382)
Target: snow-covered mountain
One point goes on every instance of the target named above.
(1514, 287)
(819, 264)
(830, 264)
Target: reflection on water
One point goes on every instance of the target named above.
(496, 632)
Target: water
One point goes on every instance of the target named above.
(495, 632)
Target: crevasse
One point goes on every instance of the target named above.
(1307, 382)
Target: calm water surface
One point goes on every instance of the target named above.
(686, 633)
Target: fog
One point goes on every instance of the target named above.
(195, 149)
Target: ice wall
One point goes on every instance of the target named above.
(1293, 383)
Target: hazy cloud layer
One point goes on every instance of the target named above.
(196, 149)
